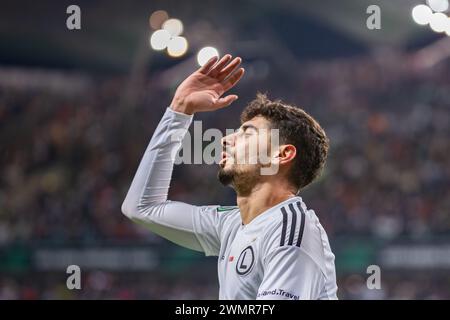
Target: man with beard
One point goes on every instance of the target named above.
(270, 246)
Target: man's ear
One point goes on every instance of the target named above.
(287, 153)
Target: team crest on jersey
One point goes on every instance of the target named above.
(245, 261)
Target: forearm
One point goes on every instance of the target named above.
(150, 185)
(146, 201)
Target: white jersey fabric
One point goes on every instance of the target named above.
(283, 253)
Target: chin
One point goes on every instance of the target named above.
(225, 175)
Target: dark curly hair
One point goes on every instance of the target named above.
(295, 127)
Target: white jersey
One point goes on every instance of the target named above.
(283, 253)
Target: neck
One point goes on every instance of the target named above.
(261, 198)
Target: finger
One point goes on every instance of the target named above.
(231, 81)
(225, 101)
(218, 67)
(205, 68)
(229, 68)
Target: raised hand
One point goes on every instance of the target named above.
(202, 90)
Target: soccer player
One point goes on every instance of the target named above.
(270, 246)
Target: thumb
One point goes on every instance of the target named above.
(225, 101)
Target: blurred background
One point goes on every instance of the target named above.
(78, 107)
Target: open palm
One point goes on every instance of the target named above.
(202, 90)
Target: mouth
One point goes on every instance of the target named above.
(223, 159)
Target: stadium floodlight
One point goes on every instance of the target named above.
(205, 54)
(439, 22)
(438, 5)
(174, 26)
(177, 46)
(160, 39)
(422, 14)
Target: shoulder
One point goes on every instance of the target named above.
(229, 220)
(222, 214)
(228, 209)
(228, 215)
(219, 210)
(295, 228)
(286, 226)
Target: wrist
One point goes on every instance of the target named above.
(180, 105)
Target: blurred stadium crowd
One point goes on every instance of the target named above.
(67, 162)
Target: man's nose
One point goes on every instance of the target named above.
(227, 141)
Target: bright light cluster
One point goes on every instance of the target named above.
(168, 34)
(433, 14)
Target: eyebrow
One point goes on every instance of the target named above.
(248, 126)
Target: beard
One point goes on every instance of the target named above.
(225, 176)
(241, 178)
